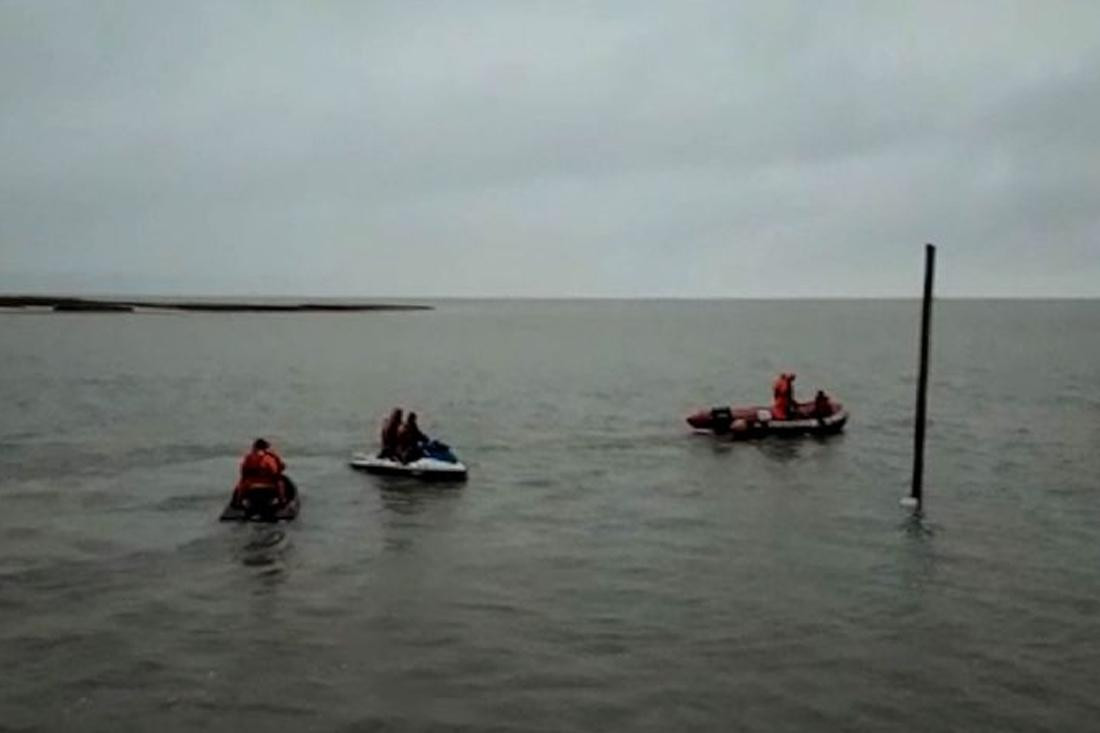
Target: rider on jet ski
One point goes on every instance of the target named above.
(261, 468)
(390, 430)
(410, 440)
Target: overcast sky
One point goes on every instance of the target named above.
(549, 148)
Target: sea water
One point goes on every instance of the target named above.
(602, 569)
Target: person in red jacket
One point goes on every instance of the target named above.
(261, 468)
(783, 396)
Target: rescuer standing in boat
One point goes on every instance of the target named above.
(782, 395)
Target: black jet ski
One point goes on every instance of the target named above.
(262, 504)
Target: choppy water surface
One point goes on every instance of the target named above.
(601, 570)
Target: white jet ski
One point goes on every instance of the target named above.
(437, 464)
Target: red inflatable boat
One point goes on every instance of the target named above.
(756, 422)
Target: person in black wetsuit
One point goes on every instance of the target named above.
(410, 440)
(390, 430)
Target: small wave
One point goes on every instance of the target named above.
(269, 539)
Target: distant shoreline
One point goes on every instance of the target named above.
(127, 305)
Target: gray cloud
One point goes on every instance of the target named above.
(556, 148)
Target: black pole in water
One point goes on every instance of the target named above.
(917, 493)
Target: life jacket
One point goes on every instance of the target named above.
(260, 468)
(781, 390)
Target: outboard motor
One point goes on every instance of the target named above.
(721, 418)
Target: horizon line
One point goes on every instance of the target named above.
(627, 298)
